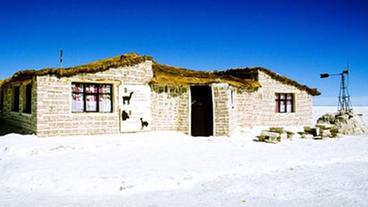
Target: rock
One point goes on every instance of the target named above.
(324, 125)
(277, 129)
(343, 117)
(334, 131)
(308, 136)
(289, 134)
(307, 129)
(261, 138)
(269, 134)
(283, 135)
(302, 134)
(327, 118)
(269, 137)
(325, 133)
(312, 131)
(272, 140)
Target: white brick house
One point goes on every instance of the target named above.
(133, 93)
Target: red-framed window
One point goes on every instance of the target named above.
(91, 97)
(284, 102)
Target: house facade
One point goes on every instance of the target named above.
(132, 93)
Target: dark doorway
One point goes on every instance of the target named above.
(202, 111)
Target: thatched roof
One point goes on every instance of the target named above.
(245, 78)
(165, 74)
(253, 74)
(98, 66)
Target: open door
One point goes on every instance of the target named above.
(202, 111)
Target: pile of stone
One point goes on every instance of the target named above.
(274, 135)
(320, 131)
(345, 122)
(334, 125)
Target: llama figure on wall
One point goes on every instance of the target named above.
(125, 116)
(127, 98)
(143, 123)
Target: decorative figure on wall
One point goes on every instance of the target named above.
(125, 115)
(143, 123)
(127, 98)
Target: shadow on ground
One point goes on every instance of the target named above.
(6, 128)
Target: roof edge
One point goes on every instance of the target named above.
(128, 59)
(249, 72)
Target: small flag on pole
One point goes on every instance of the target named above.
(61, 58)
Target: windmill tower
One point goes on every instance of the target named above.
(344, 103)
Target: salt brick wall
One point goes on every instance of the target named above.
(26, 122)
(222, 114)
(170, 113)
(54, 116)
(245, 106)
(258, 108)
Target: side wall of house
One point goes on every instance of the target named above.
(24, 122)
(170, 108)
(54, 100)
(258, 108)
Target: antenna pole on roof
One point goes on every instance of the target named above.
(61, 58)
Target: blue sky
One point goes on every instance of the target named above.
(299, 39)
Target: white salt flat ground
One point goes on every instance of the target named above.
(171, 169)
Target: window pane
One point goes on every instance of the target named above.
(289, 96)
(105, 103)
(28, 105)
(91, 102)
(289, 106)
(282, 106)
(77, 103)
(91, 88)
(277, 106)
(77, 87)
(16, 99)
(104, 88)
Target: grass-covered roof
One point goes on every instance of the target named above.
(253, 74)
(165, 74)
(245, 78)
(98, 66)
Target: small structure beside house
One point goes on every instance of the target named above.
(132, 93)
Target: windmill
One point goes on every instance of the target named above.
(344, 103)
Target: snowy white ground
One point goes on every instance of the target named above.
(171, 169)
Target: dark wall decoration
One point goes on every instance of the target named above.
(143, 123)
(127, 98)
(124, 115)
